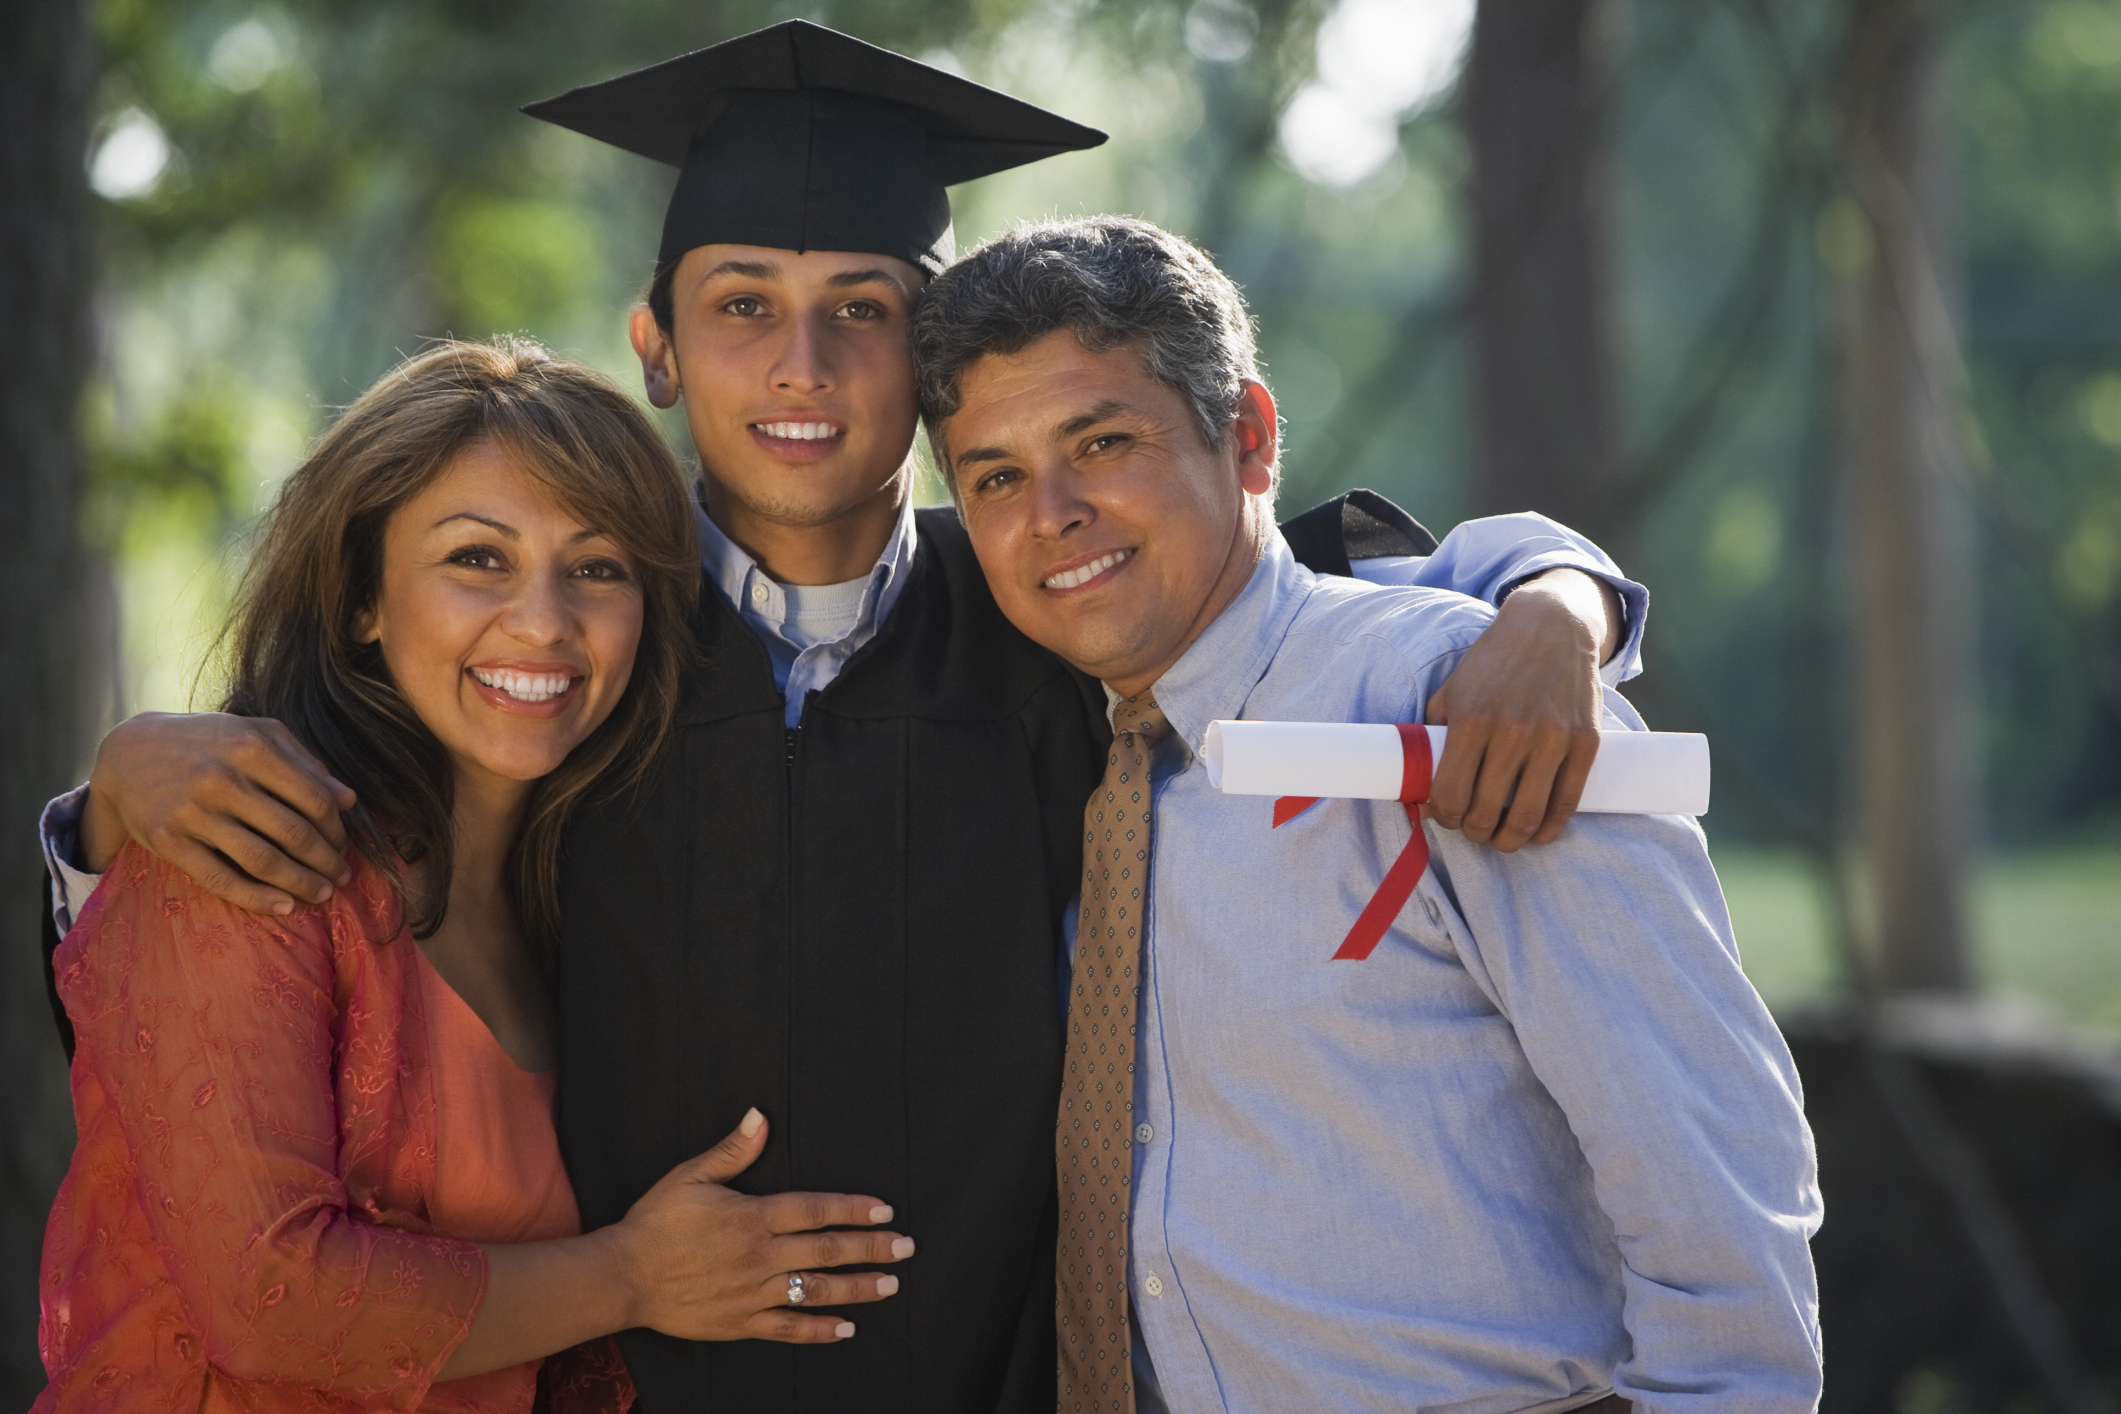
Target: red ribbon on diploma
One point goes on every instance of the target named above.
(1416, 772)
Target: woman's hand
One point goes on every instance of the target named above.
(693, 1259)
(709, 1263)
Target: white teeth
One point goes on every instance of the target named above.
(1068, 579)
(798, 431)
(525, 687)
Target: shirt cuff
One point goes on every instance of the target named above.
(60, 827)
(1626, 661)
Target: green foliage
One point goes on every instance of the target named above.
(513, 264)
(2043, 926)
(346, 180)
(2041, 227)
(189, 455)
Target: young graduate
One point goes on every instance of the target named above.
(839, 896)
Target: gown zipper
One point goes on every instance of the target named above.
(791, 737)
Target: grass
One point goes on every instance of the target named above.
(2047, 924)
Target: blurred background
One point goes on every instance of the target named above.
(1808, 310)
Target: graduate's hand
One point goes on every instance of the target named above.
(235, 802)
(1523, 709)
(709, 1263)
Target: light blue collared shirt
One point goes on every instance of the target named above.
(1543, 1143)
(807, 656)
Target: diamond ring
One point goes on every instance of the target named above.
(795, 1289)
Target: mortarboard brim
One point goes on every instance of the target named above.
(800, 137)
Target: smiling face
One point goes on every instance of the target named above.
(508, 626)
(1109, 530)
(797, 381)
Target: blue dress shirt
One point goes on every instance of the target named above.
(1545, 1142)
(803, 663)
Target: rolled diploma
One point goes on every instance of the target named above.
(1641, 773)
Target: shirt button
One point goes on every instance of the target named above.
(1154, 1285)
(1143, 1134)
(758, 593)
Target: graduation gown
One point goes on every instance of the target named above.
(855, 926)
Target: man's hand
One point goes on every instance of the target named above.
(1523, 711)
(235, 802)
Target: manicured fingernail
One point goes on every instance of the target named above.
(345, 877)
(323, 893)
(881, 1213)
(283, 908)
(886, 1286)
(843, 1329)
(902, 1248)
(749, 1125)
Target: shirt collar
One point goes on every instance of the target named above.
(750, 590)
(1212, 679)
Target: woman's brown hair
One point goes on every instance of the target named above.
(317, 565)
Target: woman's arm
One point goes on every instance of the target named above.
(693, 1259)
(213, 1033)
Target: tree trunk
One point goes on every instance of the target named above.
(1543, 348)
(47, 72)
(1911, 616)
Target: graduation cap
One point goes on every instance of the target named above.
(801, 138)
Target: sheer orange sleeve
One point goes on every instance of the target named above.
(249, 1063)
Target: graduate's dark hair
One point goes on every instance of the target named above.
(317, 563)
(660, 301)
(1113, 281)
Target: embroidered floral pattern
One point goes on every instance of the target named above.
(245, 1223)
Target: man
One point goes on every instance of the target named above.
(841, 898)
(1543, 1146)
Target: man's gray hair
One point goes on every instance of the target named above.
(1113, 281)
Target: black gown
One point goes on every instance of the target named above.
(855, 926)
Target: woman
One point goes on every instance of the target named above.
(317, 1167)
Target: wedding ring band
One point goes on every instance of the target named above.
(795, 1289)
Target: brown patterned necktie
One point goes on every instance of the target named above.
(1095, 1143)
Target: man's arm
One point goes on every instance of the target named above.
(1491, 557)
(1523, 705)
(60, 830)
(235, 802)
(1611, 955)
(60, 826)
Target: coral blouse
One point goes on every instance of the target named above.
(254, 1215)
